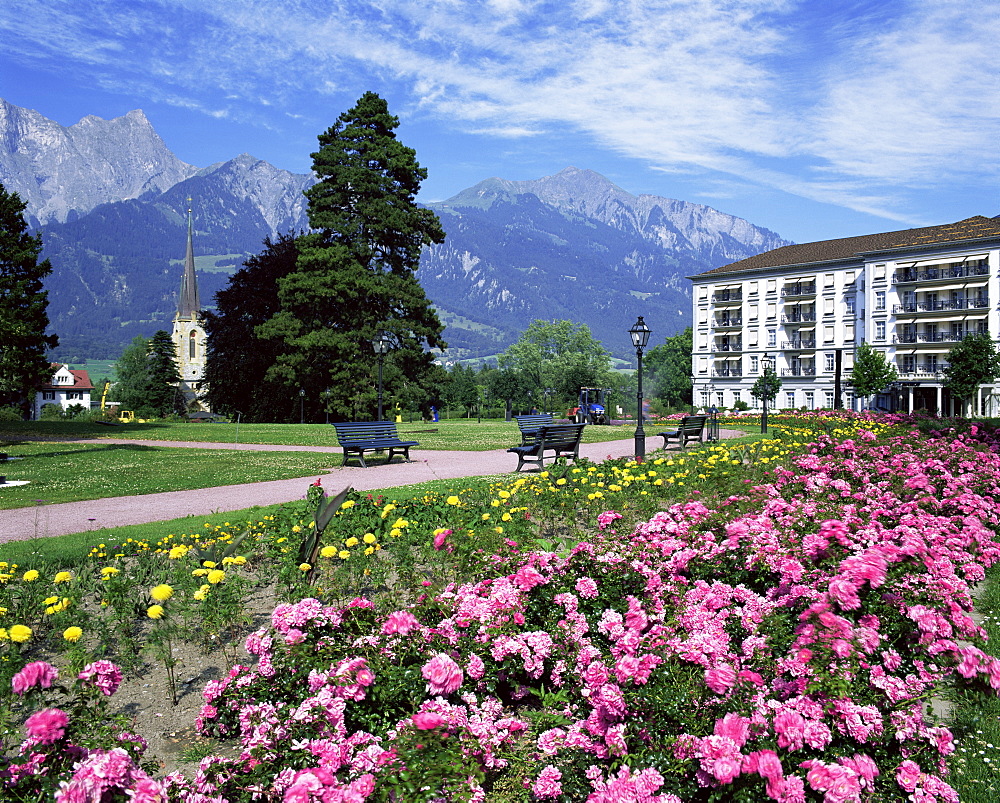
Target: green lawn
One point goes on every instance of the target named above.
(73, 472)
(459, 434)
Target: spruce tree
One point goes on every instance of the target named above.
(23, 302)
(355, 274)
(163, 392)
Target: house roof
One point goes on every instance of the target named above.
(973, 228)
(81, 380)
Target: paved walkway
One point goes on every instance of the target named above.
(96, 514)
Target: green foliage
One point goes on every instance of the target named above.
(972, 362)
(163, 392)
(23, 303)
(872, 372)
(669, 369)
(767, 385)
(132, 375)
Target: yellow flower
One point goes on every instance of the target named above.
(452, 500)
(561, 481)
(387, 510)
(50, 600)
(506, 517)
(4, 636)
(370, 550)
(369, 538)
(63, 577)
(328, 552)
(504, 494)
(348, 504)
(30, 576)
(209, 564)
(343, 554)
(72, 634)
(352, 541)
(109, 571)
(162, 592)
(303, 567)
(201, 593)
(19, 633)
(216, 576)
(155, 611)
(296, 529)
(199, 572)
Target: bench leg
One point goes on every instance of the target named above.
(359, 453)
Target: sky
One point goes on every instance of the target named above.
(816, 119)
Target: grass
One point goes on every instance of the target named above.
(460, 434)
(74, 472)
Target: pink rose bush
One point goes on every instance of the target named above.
(779, 646)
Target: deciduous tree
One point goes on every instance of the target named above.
(973, 362)
(23, 302)
(872, 372)
(669, 368)
(767, 385)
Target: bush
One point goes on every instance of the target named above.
(10, 414)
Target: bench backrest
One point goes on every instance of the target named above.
(529, 423)
(350, 431)
(692, 423)
(560, 435)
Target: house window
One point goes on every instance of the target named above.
(704, 399)
(880, 299)
(48, 395)
(828, 399)
(828, 280)
(737, 396)
(772, 338)
(880, 330)
(828, 336)
(829, 361)
(790, 398)
(810, 400)
(754, 365)
(850, 305)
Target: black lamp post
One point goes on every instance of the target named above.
(302, 405)
(640, 336)
(765, 365)
(381, 346)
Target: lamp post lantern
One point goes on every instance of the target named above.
(381, 346)
(765, 365)
(640, 336)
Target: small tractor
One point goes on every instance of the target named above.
(593, 406)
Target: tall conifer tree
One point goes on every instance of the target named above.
(23, 302)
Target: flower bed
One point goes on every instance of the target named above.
(775, 642)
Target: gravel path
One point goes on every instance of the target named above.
(75, 517)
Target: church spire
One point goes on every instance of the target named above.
(188, 304)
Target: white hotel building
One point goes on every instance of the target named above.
(911, 294)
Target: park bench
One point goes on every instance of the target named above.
(563, 440)
(358, 437)
(689, 428)
(529, 425)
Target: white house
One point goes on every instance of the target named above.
(67, 387)
(804, 309)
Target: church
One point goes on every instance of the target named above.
(188, 333)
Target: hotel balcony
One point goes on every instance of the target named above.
(799, 289)
(734, 346)
(730, 372)
(798, 317)
(930, 337)
(945, 272)
(801, 370)
(916, 307)
(728, 297)
(729, 322)
(799, 343)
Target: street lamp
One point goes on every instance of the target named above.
(302, 405)
(640, 336)
(765, 365)
(381, 346)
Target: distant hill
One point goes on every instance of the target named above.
(111, 203)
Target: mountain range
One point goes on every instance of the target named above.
(111, 200)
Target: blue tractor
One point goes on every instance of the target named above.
(593, 406)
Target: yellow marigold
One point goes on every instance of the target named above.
(349, 503)
(72, 634)
(201, 593)
(387, 510)
(50, 600)
(343, 554)
(30, 576)
(155, 611)
(109, 571)
(452, 500)
(209, 564)
(64, 577)
(369, 538)
(199, 572)
(236, 560)
(304, 567)
(328, 552)
(4, 636)
(296, 529)
(504, 494)
(162, 592)
(369, 551)
(216, 576)
(177, 552)
(19, 633)
(352, 541)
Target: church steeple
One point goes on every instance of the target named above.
(188, 304)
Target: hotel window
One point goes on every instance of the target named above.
(828, 336)
(737, 396)
(772, 311)
(828, 399)
(753, 288)
(772, 286)
(880, 330)
(880, 271)
(810, 400)
(772, 338)
(830, 361)
(754, 365)
(828, 280)
(702, 365)
(909, 364)
(720, 398)
(704, 399)
(702, 317)
(752, 312)
(850, 305)
(703, 291)
(790, 398)
(828, 306)
(880, 299)
(752, 334)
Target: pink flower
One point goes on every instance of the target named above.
(721, 679)
(427, 721)
(38, 673)
(548, 784)
(440, 538)
(586, 587)
(102, 674)
(442, 674)
(401, 622)
(47, 725)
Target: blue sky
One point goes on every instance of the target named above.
(817, 119)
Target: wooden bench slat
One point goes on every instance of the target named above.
(530, 424)
(561, 439)
(358, 437)
(689, 428)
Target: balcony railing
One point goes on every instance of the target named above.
(737, 346)
(929, 337)
(800, 343)
(941, 306)
(736, 372)
(800, 289)
(922, 370)
(933, 274)
(802, 370)
(798, 317)
(723, 323)
(727, 295)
